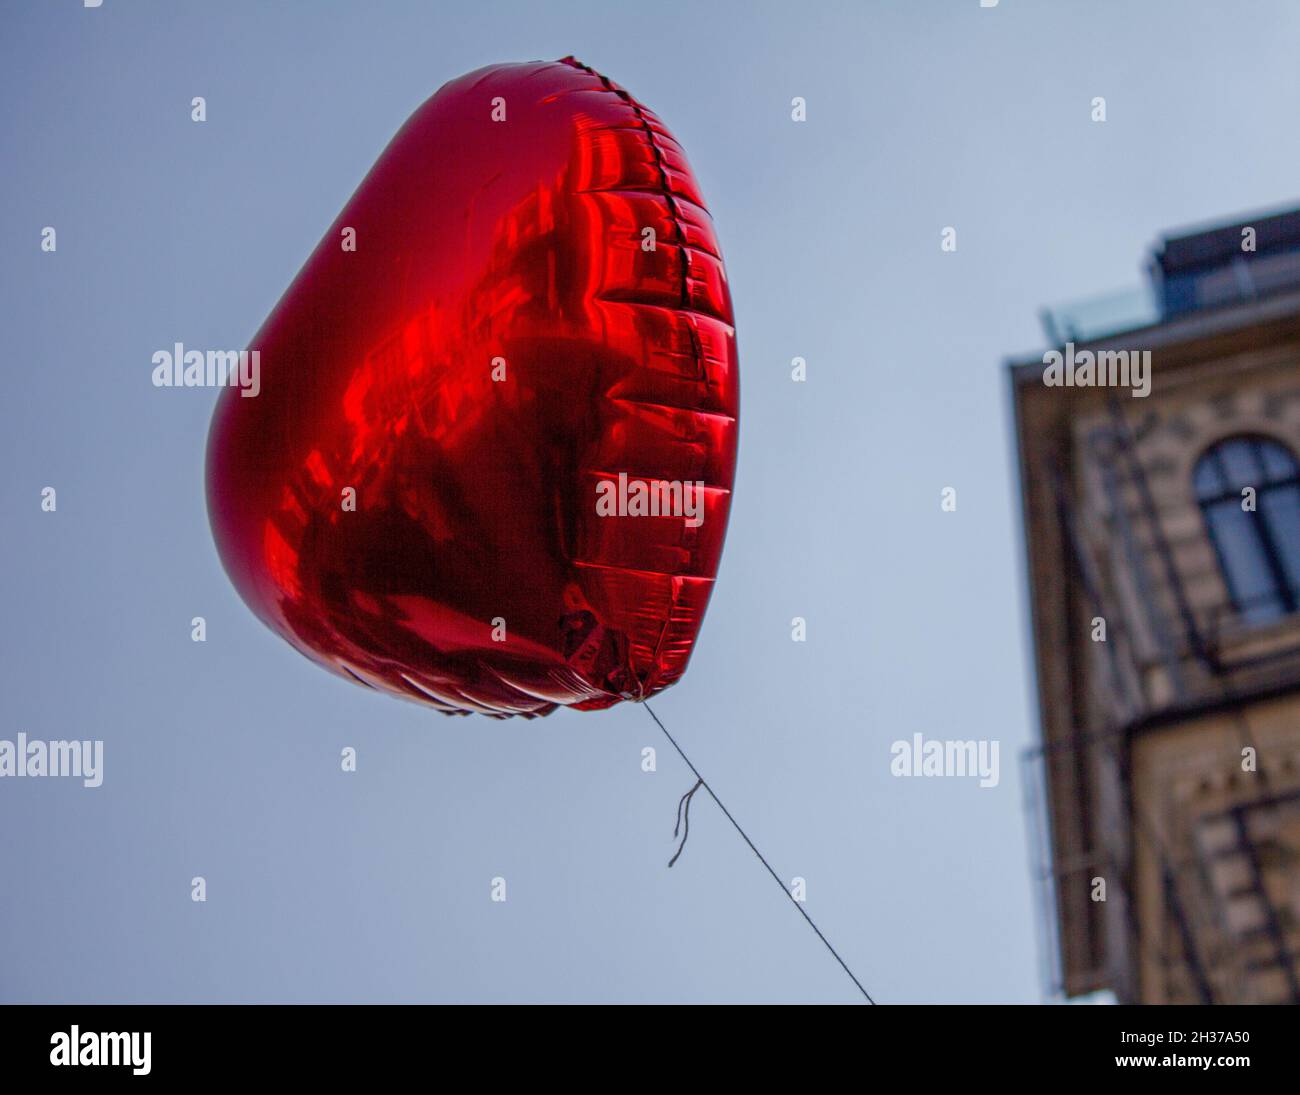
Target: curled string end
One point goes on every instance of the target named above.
(684, 819)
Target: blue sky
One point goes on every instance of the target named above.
(221, 759)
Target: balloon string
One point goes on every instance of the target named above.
(685, 804)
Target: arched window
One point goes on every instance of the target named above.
(1258, 551)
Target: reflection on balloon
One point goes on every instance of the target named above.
(522, 311)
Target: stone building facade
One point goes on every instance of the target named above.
(1163, 553)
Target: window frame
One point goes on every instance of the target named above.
(1283, 595)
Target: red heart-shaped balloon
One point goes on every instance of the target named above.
(516, 333)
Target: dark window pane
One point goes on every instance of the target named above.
(1280, 507)
(1278, 463)
(1239, 463)
(1240, 547)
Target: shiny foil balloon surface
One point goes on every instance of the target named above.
(536, 303)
